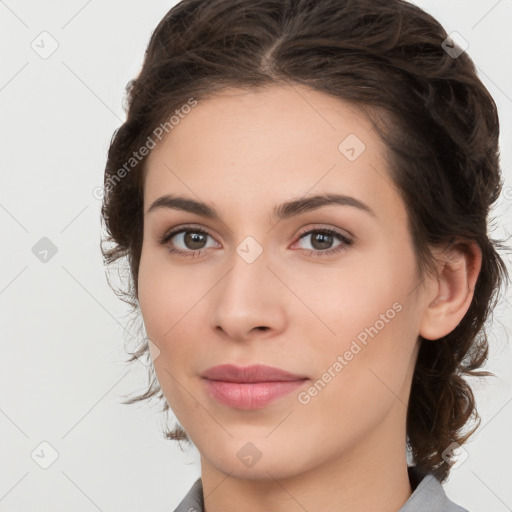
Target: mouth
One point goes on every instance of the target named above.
(252, 387)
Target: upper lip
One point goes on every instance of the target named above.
(253, 373)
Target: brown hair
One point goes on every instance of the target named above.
(438, 120)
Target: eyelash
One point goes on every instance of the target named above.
(164, 240)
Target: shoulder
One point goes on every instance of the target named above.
(428, 495)
(193, 500)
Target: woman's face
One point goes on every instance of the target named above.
(267, 285)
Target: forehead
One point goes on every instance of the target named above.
(268, 146)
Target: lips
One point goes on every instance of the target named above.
(254, 373)
(252, 387)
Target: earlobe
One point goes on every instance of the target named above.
(451, 289)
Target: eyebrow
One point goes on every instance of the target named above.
(280, 212)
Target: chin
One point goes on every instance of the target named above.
(257, 461)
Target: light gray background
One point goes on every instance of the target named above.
(62, 370)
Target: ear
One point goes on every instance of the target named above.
(450, 290)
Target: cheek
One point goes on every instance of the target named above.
(172, 301)
(363, 373)
(371, 321)
(166, 294)
(350, 298)
(164, 303)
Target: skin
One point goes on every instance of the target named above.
(244, 153)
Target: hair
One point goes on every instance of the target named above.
(438, 121)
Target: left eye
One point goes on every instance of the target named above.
(322, 240)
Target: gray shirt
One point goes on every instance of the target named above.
(428, 496)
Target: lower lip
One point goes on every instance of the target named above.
(250, 395)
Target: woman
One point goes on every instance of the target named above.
(301, 189)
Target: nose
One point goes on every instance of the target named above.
(249, 301)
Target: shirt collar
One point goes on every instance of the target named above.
(428, 496)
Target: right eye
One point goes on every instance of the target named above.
(190, 241)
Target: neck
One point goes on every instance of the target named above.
(372, 475)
